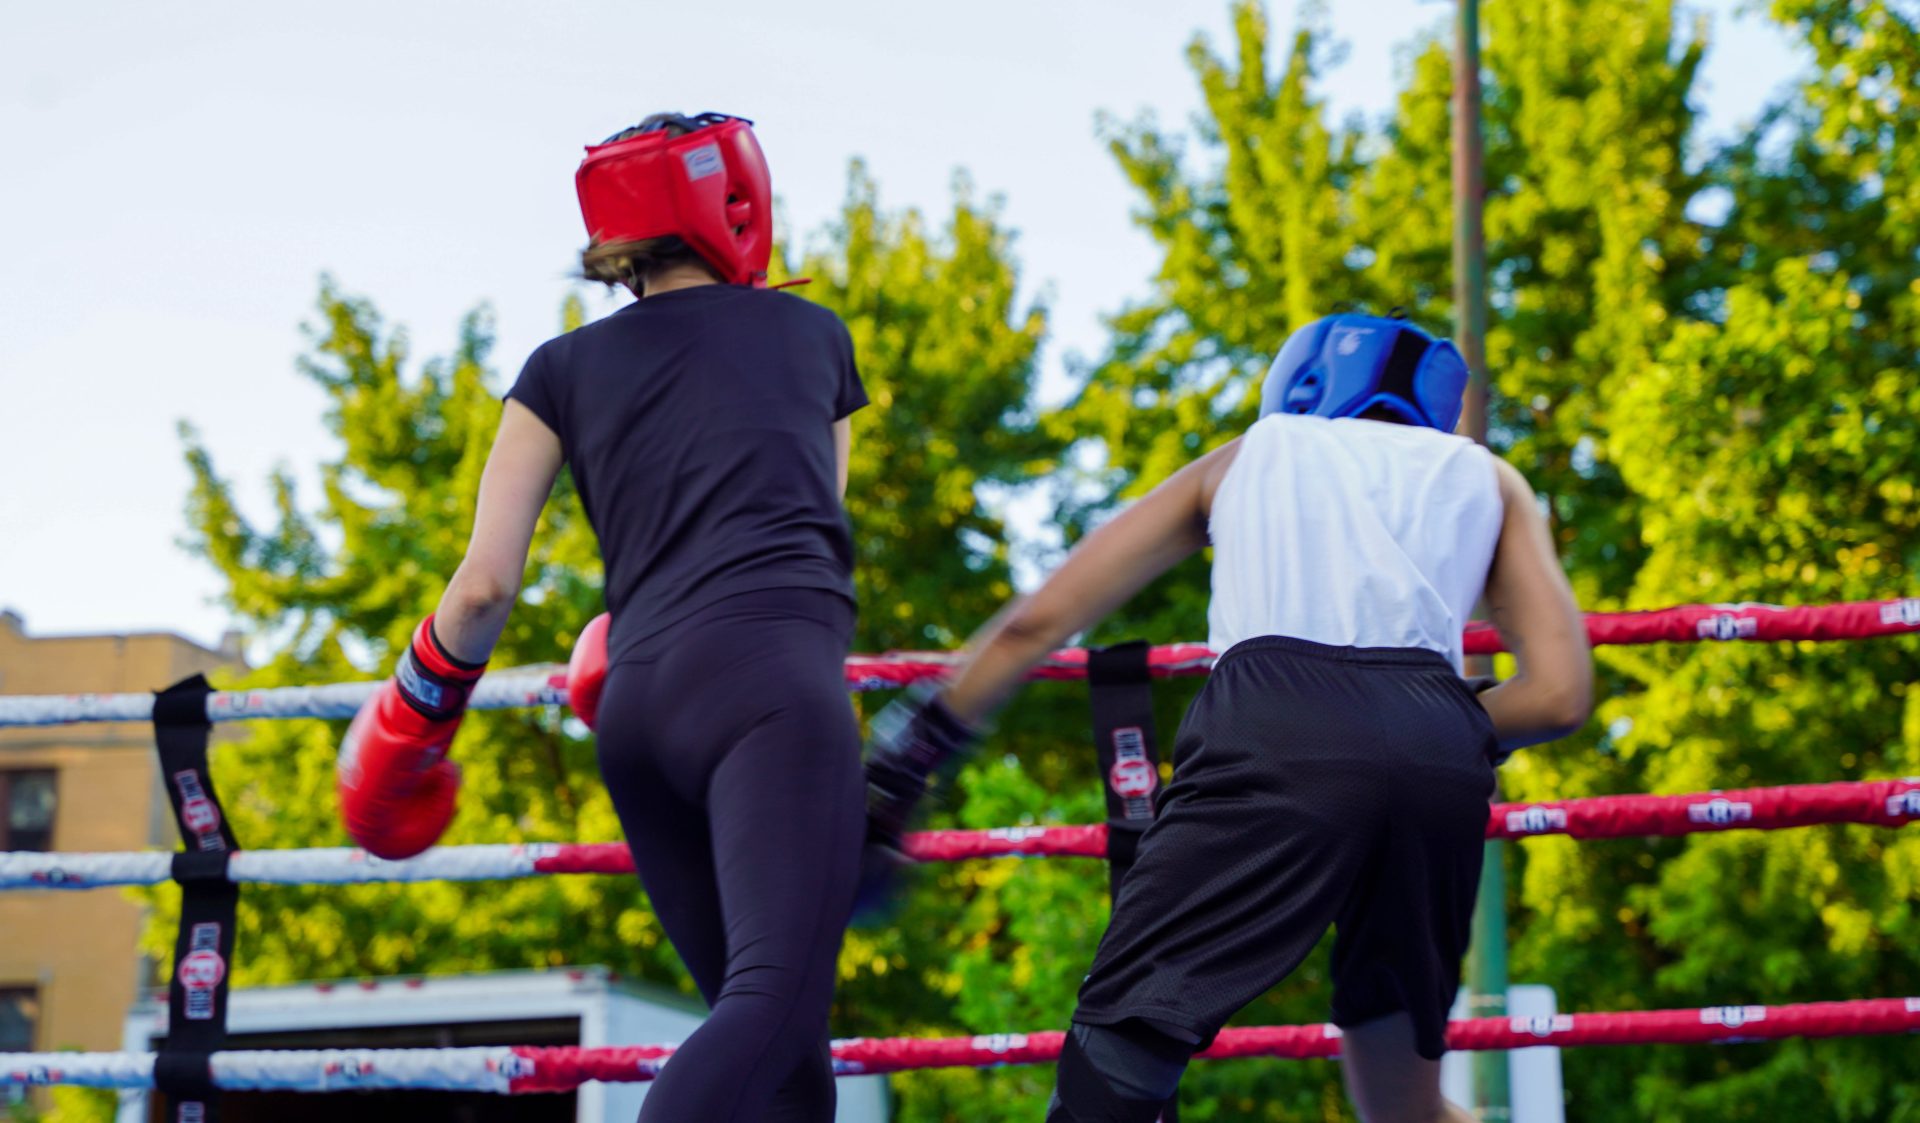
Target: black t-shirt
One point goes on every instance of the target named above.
(699, 427)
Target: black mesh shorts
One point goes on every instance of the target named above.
(1313, 786)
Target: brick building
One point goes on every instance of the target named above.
(69, 968)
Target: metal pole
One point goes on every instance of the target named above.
(1487, 963)
(1469, 237)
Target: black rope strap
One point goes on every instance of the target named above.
(1120, 689)
(203, 951)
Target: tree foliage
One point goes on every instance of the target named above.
(1702, 355)
(947, 350)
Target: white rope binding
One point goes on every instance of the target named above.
(91, 1070)
(520, 687)
(479, 1069)
(337, 865)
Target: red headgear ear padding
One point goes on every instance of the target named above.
(709, 186)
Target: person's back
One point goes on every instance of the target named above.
(699, 426)
(1351, 532)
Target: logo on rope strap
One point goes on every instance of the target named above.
(1727, 626)
(1000, 1042)
(1133, 777)
(198, 812)
(1541, 1025)
(841, 1066)
(202, 970)
(346, 1070)
(1019, 836)
(1719, 812)
(36, 1074)
(1533, 820)
(1904, 804)
(1901, 613)
(236, 703)
(1732, 1017)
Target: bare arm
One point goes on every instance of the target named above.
(1533, 608)
(842, 450)
(1112, 564)
(513, 489)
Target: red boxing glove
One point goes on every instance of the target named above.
(587, 670)
(397, 787)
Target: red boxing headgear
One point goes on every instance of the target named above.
(708, 185)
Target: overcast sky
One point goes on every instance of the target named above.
(176, 178)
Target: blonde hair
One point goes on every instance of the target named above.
(628, 262)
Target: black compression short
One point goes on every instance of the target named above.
(733, 758)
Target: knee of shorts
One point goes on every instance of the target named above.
(1133, 1059)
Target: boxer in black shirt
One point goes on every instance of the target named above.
(706, 426)
(699, 423)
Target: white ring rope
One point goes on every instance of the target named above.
(331, 865)
(519, 687)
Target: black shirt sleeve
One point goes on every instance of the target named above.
(851, 395)
(535, 389)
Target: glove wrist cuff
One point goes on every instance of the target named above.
(927, 698)
(915, 735)
(433, 682)
(435, 657)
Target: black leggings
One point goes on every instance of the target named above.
(733, 758)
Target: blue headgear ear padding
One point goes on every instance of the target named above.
(1345, 365)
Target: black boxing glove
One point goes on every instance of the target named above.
(911, 739)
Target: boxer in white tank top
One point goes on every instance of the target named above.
(1335, 770)
(1351, 532)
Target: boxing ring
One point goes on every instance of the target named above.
(1887, 804)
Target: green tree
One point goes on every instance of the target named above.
(1716, 408)
(1253, 241)
(1650, 293)
(331, 588)
(1280, 217)
(334, 590)
(69, 1104)
(1771, 444)
(1777, 453)
(1585, 267)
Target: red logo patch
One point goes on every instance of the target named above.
(1133, 778)
(202, 970)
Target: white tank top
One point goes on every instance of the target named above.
(1354, 533)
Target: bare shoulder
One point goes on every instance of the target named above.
(1513, 485)
(1212, 469)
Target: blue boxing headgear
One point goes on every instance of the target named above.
(1345, 365)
